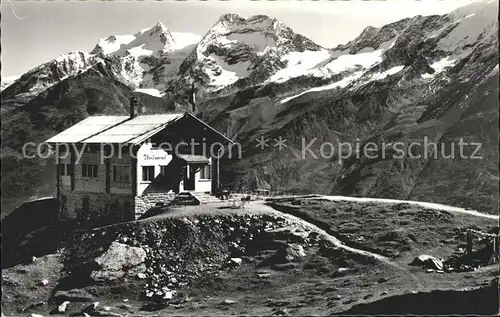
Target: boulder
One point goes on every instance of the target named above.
(118, 261)
(294, 252)
(288, 233)
(228, 302)
(63, 306)
(285, 255)
(235, 261)
(44, 282)
(141, 275)
(428, 262)
(168, 295)
(74, 295)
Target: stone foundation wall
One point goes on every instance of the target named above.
(149, 200)
(96, 208)
(107, 208)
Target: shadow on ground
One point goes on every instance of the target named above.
(483, 301)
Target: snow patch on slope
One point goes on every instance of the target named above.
(185, 39)
(387, 73)
(113, 43)
(348, 61)
(439, 66)
(359, 63)
(75, 59)
(150, 91)
(299, 63)
(338, 84)
(325, 63)
(140, 51)
(228, 74)
(259, 43)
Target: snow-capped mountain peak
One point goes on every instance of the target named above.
(231, 30)
(258, 32)
(250, 49)
(150, 41)
(7, 81)
(150, 58)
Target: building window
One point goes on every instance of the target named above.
(65, 169)
(89, 170)
(163, 169)
(121, 173)
(206, 172)
(148, 173)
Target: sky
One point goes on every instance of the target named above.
(37, 32)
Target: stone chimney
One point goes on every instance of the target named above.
(133, 106)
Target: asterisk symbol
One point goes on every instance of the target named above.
(280, 143)
(262, 142)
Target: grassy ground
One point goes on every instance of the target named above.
(399, 231)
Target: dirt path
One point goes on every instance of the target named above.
(410, 202)
(256, 206)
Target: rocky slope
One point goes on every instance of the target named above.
(427, 76)
(221, 260)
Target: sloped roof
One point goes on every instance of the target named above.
(115, 129)
(121, 129)
(86, 128)
(135, 130)
(191, 158)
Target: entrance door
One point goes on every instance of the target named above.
(189, 177)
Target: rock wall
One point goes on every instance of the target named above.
(107, 208)
(149, 200)
(96, 208)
